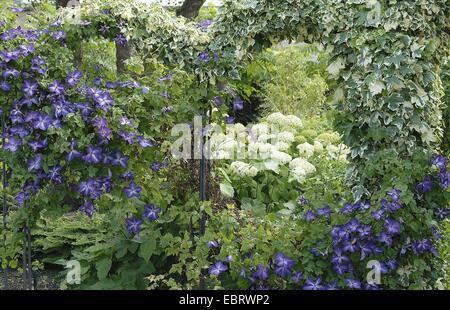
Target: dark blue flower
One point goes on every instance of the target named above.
(392, 226)
(120, 40)
(261, 273)
(29, 88)
(151, 212)
(309, 216)
(12, 144)
(444, 178)
(5, 86)
(426, 185)
(134, 225)
(133, 191)
(93, 155)
(204, 56)
(302, 200)
(56, 88)
(284, 265)
(230, 120)
(440, 162)
(385, 238)
(54, 174)
(156, 166)
(395, 194)
(21, 198)
(378, 214)
(73, 78)
(213, 244)
(217, 268)
(238, 104)
(347, 208)
(218, 101)
(88, 208)
(312, 284)
(353, 284)
(35, 164)
(297, 277)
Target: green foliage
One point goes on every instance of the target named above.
(297, 85)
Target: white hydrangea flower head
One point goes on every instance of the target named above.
(293, 121)
(286, 136)
(329, 137)
(276, 118)
(260, 150)
(282, 146)
(266, 138)
(281, 157)
(260, 129)
(298, 174)
(318, 147)
(302, 163)
(305, 150)
(238, 128)
(243, 170)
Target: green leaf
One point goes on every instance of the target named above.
(147, 249)
(227, 190)
(103, 266)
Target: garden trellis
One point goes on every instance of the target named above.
(385, 57)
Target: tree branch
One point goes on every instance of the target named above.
(190, 8)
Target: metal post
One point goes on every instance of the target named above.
(5, 206)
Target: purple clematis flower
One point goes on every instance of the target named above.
(297, 277)
(213, 244)
(426, 185)
(12, 144)
(440, 162)
(392, 226)
(144, 142)
(378, 214)
(151, 212)
(93, 155)
(21, 198)
(29, 88)
(156, 166)
(35, 164)
(43, 121)
(125, 121)
(353, 284)
(73, 78)
(385, 238)
(217, 268)
(261, 273)
(309, 216)
(10, 72)
(204, 57)
(302, 200)
(312, 284)
(325, 211)
(5, 86)
(38, 64)
(134, 225)
(127, 176)
(56, 88)
(127, 136)
(284, 265)
(38, 144)
(88, 208)
(133, 191)
(54, 174)
(395, 194)
(238, 104)
(444, 178)
(118, 159)
(120, 40)
(218, 101)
